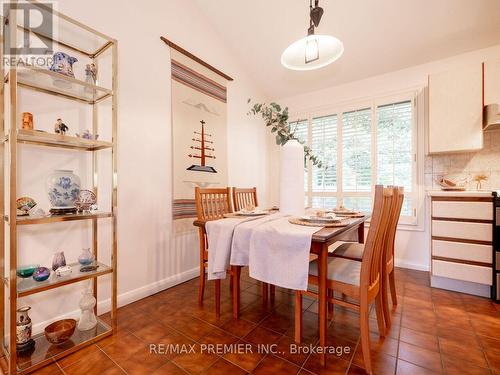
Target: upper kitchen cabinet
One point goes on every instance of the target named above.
(492, 82)
(456, 110)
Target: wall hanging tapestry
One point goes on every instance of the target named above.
(199, 129)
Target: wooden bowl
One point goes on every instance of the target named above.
(60, 331)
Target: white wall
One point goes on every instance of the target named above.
(148, 260)
(412, 247)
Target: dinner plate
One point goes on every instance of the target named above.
(254, 213)
(320, 219)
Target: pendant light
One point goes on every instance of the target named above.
(313, 51)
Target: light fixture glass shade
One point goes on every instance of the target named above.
(295, 56)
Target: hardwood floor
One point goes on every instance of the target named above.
(433, 332)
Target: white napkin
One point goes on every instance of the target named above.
(279, 253)
(240, 248)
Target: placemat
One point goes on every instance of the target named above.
(299, 221)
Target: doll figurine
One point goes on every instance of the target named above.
(60, 127)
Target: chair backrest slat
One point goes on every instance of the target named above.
(243, 197)
(212, 203)
(374, 246)
(397, 204)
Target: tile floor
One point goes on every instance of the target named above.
(433, 332)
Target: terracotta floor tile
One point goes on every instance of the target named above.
(276, 366)
(193, 327)
(489, 343)
(169, 369)
(123, 349)
(385, 345)
(247, 359)
(238, 327)
(334, 365)
(143, 361)
(493, 358)
(420, 357)
(195, 362)
(218, 336)
(277, 322)
(51, 369)
(151, 332)
(407, 368)
(454, 366)
(467, 351)
(96, 364)
(424, 340)
(382, 364)
(223, 367)
(261, 335)
(288, 350)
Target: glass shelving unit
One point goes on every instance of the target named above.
(75, 36)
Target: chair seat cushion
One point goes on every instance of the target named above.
(339, 269)
(351, 250)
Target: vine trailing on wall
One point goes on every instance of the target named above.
(276, 118)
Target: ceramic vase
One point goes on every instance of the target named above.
(59, 260)
(63, 187)
(85, 257)
(88, 319)
(23, 326)
(63, 63)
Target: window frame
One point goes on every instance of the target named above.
(415, 96)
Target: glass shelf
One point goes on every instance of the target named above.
(45, 352)
(56, 140)
(70, 33)
(27, 220)
(28, 286)
(49, 82)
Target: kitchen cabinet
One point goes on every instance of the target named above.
(492, 82)
(462, 241)
(456, 110)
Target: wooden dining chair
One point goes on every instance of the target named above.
(361, 281)
(243, 197)
(211, 204)
(354, 251)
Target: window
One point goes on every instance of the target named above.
(362, 147)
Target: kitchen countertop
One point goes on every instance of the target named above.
(466, 193)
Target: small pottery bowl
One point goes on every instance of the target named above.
(41, 274)
(60, 331)
(63, 271)
(27, 271)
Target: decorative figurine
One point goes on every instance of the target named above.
(87, 135)
(86, 199)
(24, 205)
(63, 63)
(27, 121)
(60, 127)
(37, 213)
(41, 274)
(59, 260)
(86, 257)
(63, 188)
(63, 271)
(91, 73)
(88, 319)
(24, 342)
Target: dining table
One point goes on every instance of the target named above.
(320, 242)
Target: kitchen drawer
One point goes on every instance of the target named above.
(463, 210)
(464, 251)
(462, 230)
(460, 271)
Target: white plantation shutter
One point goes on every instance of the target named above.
(395, 150)
(324, 145)
(356, 151)
(301, 131)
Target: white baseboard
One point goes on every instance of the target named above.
(128, 297)
(412, 266)
(461, 286)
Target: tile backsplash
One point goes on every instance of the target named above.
(468, 165)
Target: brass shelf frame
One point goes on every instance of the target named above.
(93, 45)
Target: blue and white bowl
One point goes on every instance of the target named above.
(63, 187)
